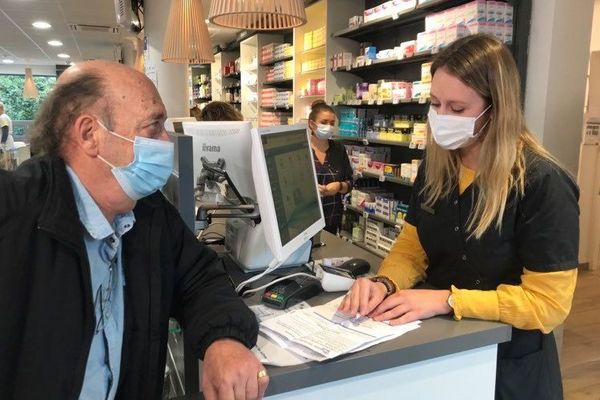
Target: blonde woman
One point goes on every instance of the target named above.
(493, 225)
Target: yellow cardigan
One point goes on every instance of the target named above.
(542, 300)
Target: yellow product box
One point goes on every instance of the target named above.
(426, 72)
(308, 40)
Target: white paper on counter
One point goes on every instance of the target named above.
(312, 333)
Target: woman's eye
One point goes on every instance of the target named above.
(458, 110)
(435, 105)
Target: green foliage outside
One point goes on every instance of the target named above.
(11, 94)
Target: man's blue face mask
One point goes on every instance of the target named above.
(151, 166)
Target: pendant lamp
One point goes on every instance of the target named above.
(261, 15)
(29, 89)
(186, 39)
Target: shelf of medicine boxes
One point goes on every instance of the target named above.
(279, 82)
(273, 62)
(279, 108)
(323, 17)
(235, 75)
(363, 103)
(407, 17)
(382, 178)
(366, 141)
(371, 65)
(376, 217)
(362, 245)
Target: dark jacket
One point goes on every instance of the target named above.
(47, 316)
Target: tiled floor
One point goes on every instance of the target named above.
(580, 359)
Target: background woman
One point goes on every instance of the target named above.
(334, 174)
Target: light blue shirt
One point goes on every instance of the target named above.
(103, 245)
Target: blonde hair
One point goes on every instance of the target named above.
(484, 64)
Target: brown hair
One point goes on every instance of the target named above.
(61, 108)
(484, 64)
(317, 107)
(220, 111)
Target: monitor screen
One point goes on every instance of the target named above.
(286, 188)
(289, 166)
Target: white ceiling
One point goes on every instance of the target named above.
(28, 45)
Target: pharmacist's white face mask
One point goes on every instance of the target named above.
(452, 132)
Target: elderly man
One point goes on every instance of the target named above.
(95, 260)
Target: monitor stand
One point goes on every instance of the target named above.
(249, 249)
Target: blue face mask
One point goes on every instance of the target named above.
(151, 166)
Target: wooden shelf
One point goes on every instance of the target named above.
(270, 63)
(314, 50)
(281, 82)
(382, 64)
(404, 18)
(372, 216)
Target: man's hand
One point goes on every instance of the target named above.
(231, 372)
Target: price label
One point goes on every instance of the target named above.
(368, 62)
(421, 146)
(398, 227)
(365, 141)
(422, 100)
(395, 101)
(379, 102)
(412, 145)
(371, 102)
(348, 67)
(435, 50)
(335, 103)
(395, 16)
(381, 178)
(365, 215)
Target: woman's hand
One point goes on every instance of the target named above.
(330, 189)
(410, 305)
(363, 297)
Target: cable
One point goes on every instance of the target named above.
(273, 265)
(283, 278)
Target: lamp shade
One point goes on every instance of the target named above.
(186, 39)
(29, 89)
(262, 15)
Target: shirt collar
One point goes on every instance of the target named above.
(91, 216)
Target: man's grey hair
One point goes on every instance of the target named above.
(66, 102)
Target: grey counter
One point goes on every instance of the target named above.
(437, 337)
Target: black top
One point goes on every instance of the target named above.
(540, 232)
(47, 319)
(335, 168)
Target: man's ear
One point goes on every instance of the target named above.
(85, 134)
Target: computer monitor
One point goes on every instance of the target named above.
(286, 188)
(176, 124)
(227, 140)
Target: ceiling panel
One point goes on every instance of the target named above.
(27, 45)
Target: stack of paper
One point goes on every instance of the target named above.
(320, 333)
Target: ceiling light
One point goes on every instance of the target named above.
(29, 89)
(55, 43)
(259, 15)
(7, 61)
(41, 25)
(63, 55)
(186, 39)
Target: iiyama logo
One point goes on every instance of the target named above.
(214, 149)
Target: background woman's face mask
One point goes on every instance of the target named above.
(452, 132)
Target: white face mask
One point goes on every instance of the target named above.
(324, 131)
(452, 132)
